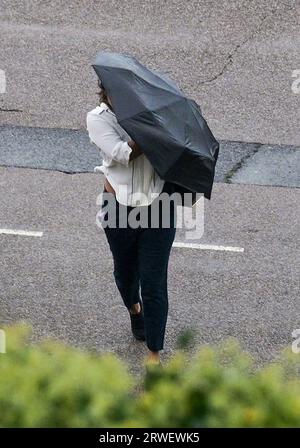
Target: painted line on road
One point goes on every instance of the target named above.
(21, 232)
(208, 247)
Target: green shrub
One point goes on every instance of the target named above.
(52, 385)
(219, 388)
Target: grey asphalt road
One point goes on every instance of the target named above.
(70, 151)
(62, 282)
(234, 57)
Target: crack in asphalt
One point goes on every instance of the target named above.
(41, 168)
(229, 59)
(61, 150)
(228, 176)
(10, 110)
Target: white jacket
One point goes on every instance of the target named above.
(135, 182)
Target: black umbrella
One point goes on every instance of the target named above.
(166, 124)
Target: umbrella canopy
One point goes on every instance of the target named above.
(166, 124)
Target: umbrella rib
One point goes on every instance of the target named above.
(155, 110)
(197, 119)
(204, 157)
(159, 109)
(161, 88)
(170, 85)
(148, 82)
(170, 135)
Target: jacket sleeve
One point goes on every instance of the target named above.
(108, 140)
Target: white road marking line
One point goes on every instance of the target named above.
(208, 247)
(21, 232)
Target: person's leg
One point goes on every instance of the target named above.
(154, 246)
(123, 246)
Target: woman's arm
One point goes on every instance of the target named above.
(109, 141)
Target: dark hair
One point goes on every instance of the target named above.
(102, 93)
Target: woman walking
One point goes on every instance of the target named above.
(140, 254)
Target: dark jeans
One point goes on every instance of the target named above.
(141, 257)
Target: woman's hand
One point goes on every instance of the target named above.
(136, 150)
